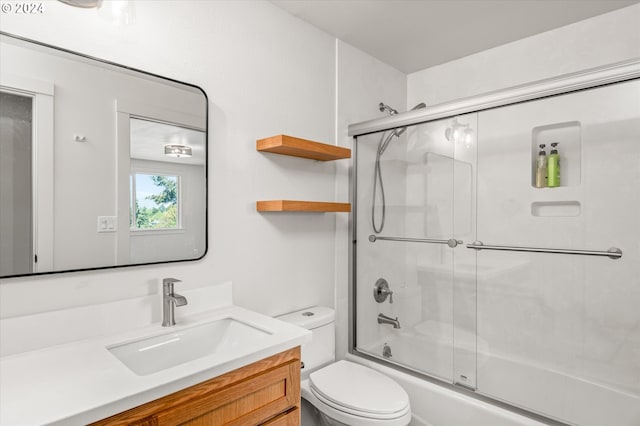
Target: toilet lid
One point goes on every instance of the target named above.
(359, 388)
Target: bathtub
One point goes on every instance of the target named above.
(584, 402)
(436, 405)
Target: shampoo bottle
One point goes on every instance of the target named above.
(553, 167)
(541, 168)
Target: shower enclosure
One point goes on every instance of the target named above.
(525, 295)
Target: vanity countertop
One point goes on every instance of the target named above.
(81, 382)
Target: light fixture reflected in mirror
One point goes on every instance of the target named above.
(177, 151)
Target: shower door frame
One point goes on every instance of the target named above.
(568, 83)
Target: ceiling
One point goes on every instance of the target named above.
(411, 35)
(148, 139)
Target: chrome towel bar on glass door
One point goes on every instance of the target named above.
(451, 242)
(613, 252)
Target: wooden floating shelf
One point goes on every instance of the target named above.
(301, 206)
(296, 147)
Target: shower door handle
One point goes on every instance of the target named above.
(451, 242)
(612, 253)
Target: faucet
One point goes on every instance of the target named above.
(169, 301)
(383, 319)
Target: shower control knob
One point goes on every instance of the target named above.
(381, 291)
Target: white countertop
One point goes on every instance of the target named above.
(81, 382)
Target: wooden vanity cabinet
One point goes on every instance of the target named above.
(266, 392)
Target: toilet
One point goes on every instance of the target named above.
(343, 392)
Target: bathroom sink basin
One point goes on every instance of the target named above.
(224, 336)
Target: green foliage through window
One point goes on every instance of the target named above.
(156, 201)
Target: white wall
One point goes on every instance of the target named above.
(363, 82)
(604, 39)
(265, 72)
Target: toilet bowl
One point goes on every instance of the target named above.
(343, 392)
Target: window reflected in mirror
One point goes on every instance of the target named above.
(154, 200)
(101, 165)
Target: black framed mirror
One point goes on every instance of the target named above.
(101, 165)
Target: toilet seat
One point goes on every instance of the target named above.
(360, 414)
(360, 391)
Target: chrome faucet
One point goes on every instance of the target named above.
(169, 301)
(383, 319)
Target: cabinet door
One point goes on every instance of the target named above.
(248, 402)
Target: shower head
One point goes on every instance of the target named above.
(398, 131)
(385, 140)
(401, 130)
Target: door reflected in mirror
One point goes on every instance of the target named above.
(16, 237)
(100, 165)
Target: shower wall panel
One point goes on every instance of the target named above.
(560, 334)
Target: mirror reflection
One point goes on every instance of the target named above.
(100, 165)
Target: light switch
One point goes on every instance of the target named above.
(107, 223)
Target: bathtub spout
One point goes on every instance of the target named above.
(383, 319)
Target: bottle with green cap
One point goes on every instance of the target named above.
(553, 167)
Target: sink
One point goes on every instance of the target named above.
(224, 336)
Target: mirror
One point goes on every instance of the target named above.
(101, 165)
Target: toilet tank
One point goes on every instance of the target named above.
(321, 350)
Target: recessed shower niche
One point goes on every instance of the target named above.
(568, 137)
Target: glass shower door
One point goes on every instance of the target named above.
(415, 205)
(559, 334)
